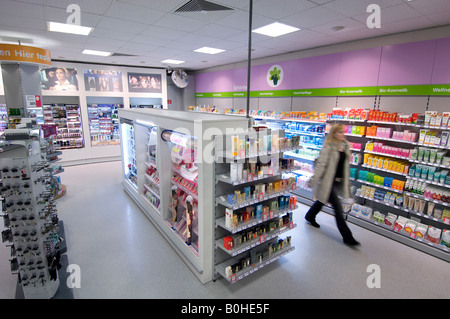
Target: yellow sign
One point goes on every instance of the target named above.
(23, 53)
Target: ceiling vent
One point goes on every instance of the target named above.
(201, 6)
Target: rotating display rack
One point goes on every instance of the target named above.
(29, 213)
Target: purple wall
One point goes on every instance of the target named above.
(407, 64)
(424, 62)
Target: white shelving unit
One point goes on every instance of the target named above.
(196, 250)
(253, 239)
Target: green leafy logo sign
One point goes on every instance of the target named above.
(275, 75)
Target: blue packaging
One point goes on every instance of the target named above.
(258, 209)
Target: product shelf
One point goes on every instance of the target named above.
(407, 210)
(347, 120)
(381, 186)
(383, 170)
(427, 181)
(252, 201)
(305, 133)
(427, 199)
(421, 244)
(256, 241)
(220, 269)
(253, 222)
(415, 143)
(227, 179)
(225, 154)
(395, 123)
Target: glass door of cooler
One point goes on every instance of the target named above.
(129, 152)
(151, 191)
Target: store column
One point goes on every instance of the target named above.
(21, 77)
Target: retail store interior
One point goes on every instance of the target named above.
(164, 150)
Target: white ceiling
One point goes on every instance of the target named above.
(151, 30)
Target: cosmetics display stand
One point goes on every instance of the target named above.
(180, 202)
(401, 194)
(253, 202)
(29, 213)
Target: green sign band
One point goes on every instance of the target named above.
(414, 90)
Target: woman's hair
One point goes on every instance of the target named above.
(335, 128)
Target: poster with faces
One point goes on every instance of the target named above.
(59, 79)
(144, 82)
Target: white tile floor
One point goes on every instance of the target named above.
(122, 255)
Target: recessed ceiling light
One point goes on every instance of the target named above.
(95, 52)
(170, 61)
(68, 28)
(209, 50)
(275, 29)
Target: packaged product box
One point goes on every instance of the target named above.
(364, 114)
(351, 113)
(358, 113)
(362, 130)
(438, 120)
(427, 138)
(428, 115)
(445, 117)
(414, 118)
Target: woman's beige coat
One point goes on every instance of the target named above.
(325, 171)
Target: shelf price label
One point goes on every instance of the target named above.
(233, 278)
(249, 177)
(265, 217)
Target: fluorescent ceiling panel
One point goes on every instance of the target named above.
(170, 61)
(275, 29)
(209, 50)
(95, 52)
(68, 28)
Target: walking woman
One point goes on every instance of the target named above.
(331, 178)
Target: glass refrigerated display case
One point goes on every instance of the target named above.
(129, 152)
(151, 191)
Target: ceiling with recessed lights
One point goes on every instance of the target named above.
(147, 32)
